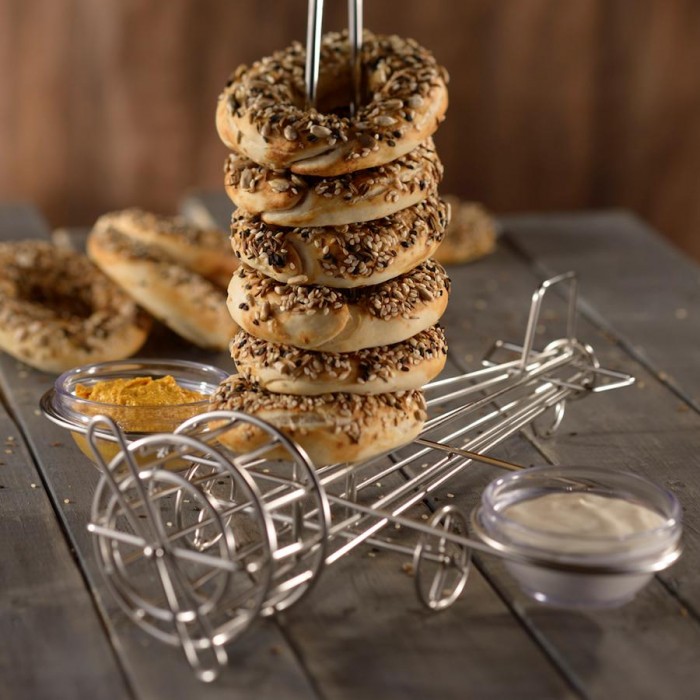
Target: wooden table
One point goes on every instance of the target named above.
(361, 633)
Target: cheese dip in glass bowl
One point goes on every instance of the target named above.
(580, 537)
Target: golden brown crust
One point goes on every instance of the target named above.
(331, 428)
(470, 235)
(188, 303)
(339, 320)
(282, 198)
(203, 250)
(346, 256)
(57, 310)
(263, 115)
(286, 369)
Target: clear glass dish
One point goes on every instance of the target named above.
(580, 569)
(61, 405)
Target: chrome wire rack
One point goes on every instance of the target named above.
(195, 542)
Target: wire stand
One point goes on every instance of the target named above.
(195, 542)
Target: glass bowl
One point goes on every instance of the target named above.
(61, 405)
(586, 565)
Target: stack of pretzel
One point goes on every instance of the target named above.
(337, 217)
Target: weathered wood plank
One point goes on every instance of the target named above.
(636, 286)
(52, 643)
(647, 649)
(363, 632)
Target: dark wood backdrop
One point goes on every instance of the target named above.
(555, 104)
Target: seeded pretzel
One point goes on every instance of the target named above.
(346, 256)
(339, 320)
(57, 310)
(262, 112)
(331, 428)
(157, 279)
(285, 199)
(286, 369)
(471, 233)
(203, 250)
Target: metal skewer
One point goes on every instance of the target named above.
(469, 454)
(355, 36)
(314, 29)
(314, 33)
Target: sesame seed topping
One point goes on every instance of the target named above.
(51, 296)
(349, 412)
(361, 249)
(270, 94)
(398, 297)
(420, 169)
(371, 364)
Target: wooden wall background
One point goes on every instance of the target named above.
(555, 104)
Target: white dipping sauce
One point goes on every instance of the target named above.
(583, 514)
(590, 548)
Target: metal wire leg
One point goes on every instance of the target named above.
(441, 567)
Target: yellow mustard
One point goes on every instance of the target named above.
(139, 391)
(140, 405)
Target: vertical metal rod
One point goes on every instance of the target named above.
(536, 306)
(573, 301)
(297, 512)
(355, 37)
(313, 49)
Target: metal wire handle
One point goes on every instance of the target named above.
(355, 34)
(314, 33)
